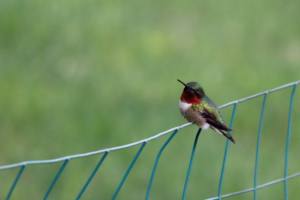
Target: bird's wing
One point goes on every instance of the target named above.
(216, 110)
(209, 110)
(214, 119)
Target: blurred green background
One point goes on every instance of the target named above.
(79, 76)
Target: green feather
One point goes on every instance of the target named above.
(209, 105)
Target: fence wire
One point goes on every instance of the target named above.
(143, 143)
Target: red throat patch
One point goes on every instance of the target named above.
(190, 98)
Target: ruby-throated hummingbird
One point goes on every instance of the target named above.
(197, 108)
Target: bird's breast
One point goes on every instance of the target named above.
(183, 106)
(191, 115)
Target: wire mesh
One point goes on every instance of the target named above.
(143, 143)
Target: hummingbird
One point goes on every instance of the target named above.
(199, 109)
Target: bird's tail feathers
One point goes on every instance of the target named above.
(223, 133)
(228, 136)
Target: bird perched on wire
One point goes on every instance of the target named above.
(199, 109)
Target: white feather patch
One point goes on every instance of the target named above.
(205, 126)
(184, 106)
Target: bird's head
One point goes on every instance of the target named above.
(192, 93)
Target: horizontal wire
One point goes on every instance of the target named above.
(138, 142)
(259, 94)
(93, 152)
(258, 187)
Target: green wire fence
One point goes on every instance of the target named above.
(143, 143)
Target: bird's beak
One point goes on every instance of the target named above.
(182, 82)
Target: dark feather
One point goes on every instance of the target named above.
(228, 136)
(211, 119)
(224, 133)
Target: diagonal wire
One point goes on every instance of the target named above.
(258, 145)
(128, 170)
(15, 182)
(288, 143)
(225, 154)
(191, 163)
(156, 162)
(55, 179)
(92, 175)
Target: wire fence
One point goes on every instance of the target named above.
(174, 131)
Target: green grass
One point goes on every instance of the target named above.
(79, 76)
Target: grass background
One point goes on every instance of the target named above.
(78, 76)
